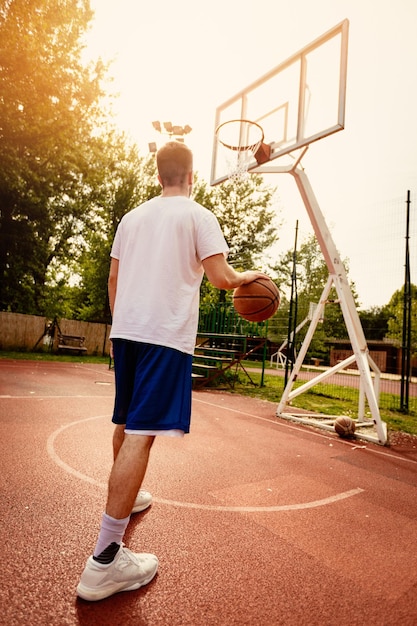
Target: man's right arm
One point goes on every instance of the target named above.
(112, 282)
(223, 276)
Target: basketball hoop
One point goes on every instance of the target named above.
(243, 141)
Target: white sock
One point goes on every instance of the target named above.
(112, 530)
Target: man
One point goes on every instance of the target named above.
(159, 255)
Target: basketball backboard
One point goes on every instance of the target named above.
(298, 102)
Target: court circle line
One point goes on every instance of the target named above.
(190, 505)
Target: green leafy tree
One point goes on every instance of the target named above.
(49, 121)
(395, 322)
(312, 274)
(375, 322)
(127, 181)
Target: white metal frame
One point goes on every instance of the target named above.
(338, 279)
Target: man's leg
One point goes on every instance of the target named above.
(127, 474)
(143, 498)
(118, 438)
(113, 567)
(125, 479)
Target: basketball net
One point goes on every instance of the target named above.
(240, 140)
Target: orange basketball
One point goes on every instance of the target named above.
(344, 426)
(257, 301)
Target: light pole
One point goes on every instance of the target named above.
(173, 131)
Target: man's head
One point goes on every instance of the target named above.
(175, 164)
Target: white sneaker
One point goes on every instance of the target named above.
(143, 500)
(127, 572)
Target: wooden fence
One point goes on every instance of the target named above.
(29, 332)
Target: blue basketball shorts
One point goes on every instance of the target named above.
(153, 387)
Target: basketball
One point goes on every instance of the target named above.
(344, 426)
(256, 301)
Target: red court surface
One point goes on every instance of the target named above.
(256, 521)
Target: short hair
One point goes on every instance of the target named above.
(174, 162)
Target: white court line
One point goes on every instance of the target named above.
(285, 424)
(265, 509)
(57, 459)
(190, 505)
(33, 396)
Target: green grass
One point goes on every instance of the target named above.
(325, 399)
(50, 356)
(327, 402)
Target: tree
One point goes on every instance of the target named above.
(312, 274)
(375, 322)
(247, 217)
(127, 181)
(395, 322)
(49, 115)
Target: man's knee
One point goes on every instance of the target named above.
(141, 443)
(118, 438)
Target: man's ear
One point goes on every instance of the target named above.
(190, 178)
(160, 180)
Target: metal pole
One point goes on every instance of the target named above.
(406, 331)
(264, 355)
(292, 315)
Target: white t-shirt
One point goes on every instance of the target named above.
(160, 246)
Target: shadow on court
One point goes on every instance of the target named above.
(256, 521)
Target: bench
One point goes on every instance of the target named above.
(316, 362)
(71, 343)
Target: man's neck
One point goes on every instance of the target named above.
(176, 191)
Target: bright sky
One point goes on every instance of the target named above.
(177, 61)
